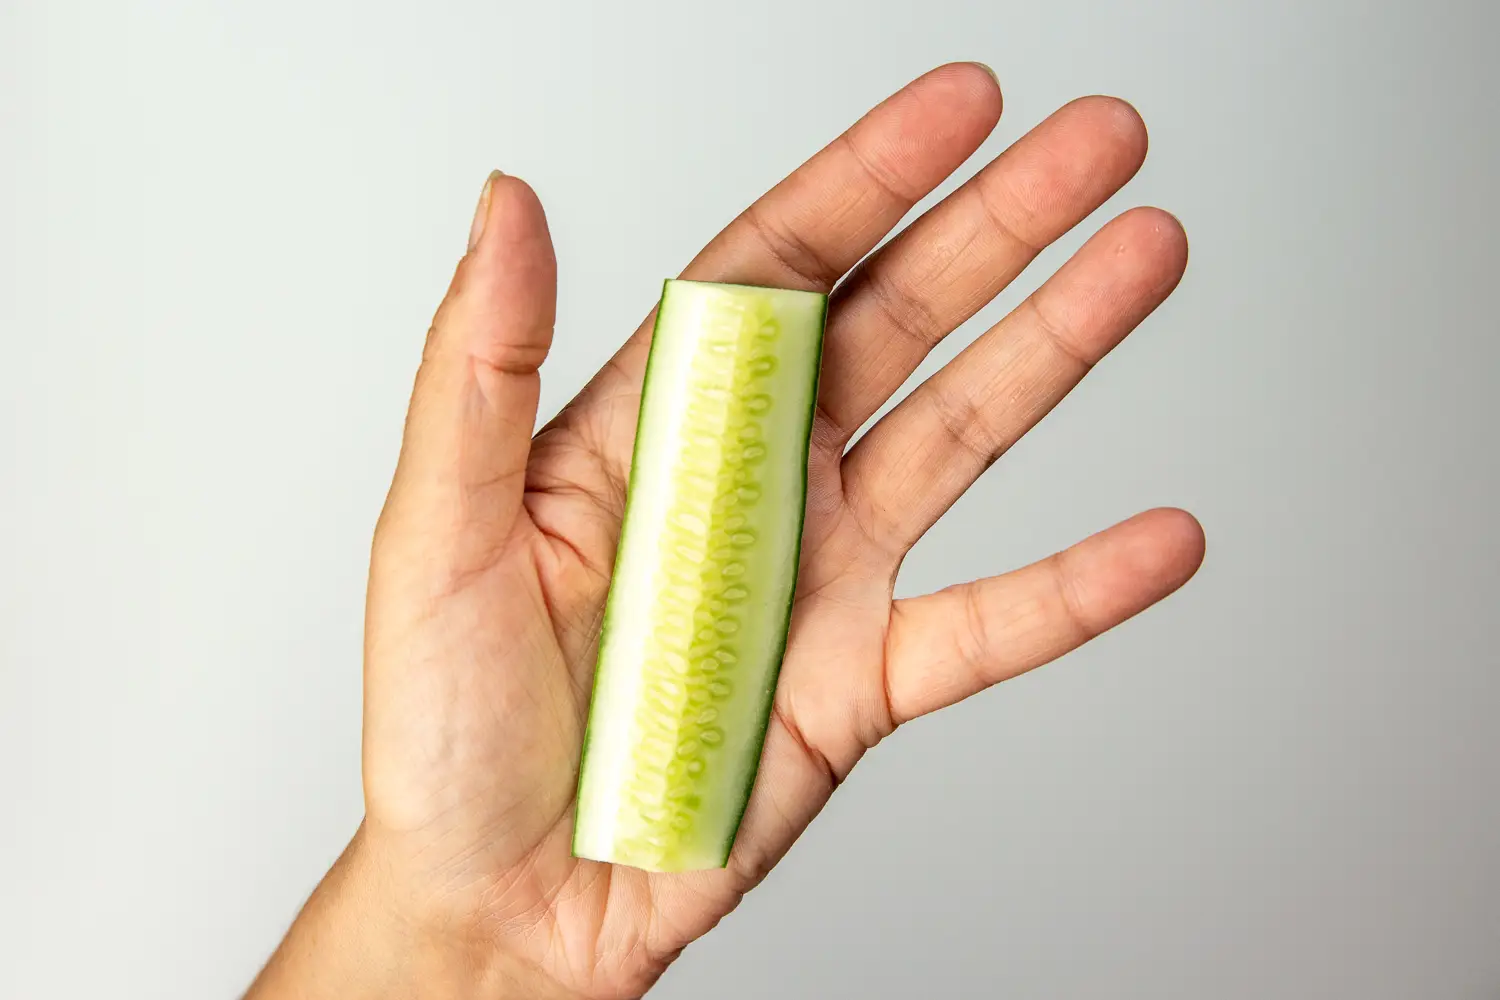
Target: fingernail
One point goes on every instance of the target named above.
(482, 213)
(993, 75)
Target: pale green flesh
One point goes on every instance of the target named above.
(698, 605)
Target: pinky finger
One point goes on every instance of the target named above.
(946, 646)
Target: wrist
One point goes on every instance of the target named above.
(353, 941)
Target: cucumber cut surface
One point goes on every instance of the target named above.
(696, 620)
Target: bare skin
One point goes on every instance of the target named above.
(492, 556)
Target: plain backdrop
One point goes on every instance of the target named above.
(225, 226)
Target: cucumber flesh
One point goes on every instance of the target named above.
(696, 619)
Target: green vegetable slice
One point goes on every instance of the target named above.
(696, 619)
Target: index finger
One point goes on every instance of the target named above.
(812, 227)
(815, 225)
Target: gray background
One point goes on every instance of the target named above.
(224, 227)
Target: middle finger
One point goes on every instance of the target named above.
(942, 269)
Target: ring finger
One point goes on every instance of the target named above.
(919, 458)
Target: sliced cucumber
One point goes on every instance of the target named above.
(696, 620)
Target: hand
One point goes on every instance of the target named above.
(493, 553)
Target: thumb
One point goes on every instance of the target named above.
(459, 481)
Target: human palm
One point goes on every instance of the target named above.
(493, 554)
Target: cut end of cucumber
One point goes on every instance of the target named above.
(699, 602)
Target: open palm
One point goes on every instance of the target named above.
(493, 554)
